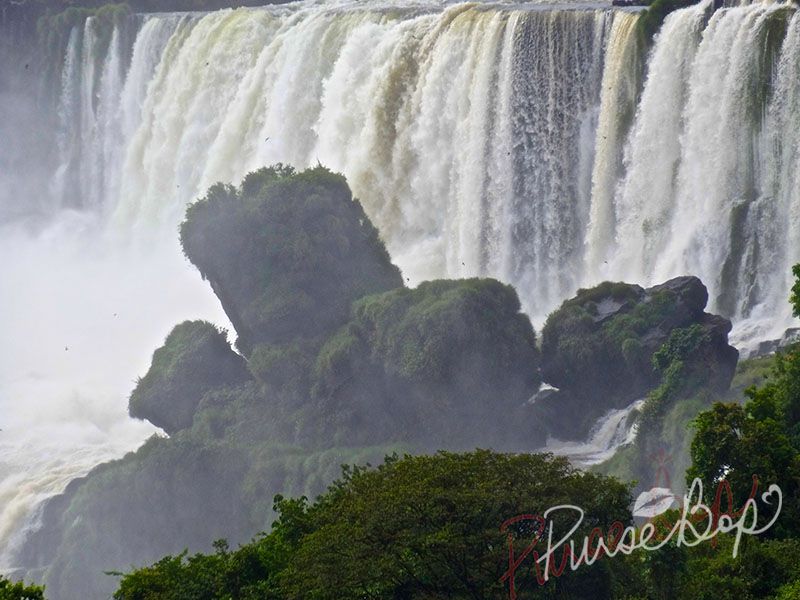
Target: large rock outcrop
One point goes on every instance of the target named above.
(598, 348)
(449, 360)
(286, 253)
(340, 364)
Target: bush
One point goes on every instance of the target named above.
(19, 591)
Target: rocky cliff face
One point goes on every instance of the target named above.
(194, 360)
(287, 254)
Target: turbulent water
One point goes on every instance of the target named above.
(514, 142)
(544, 145)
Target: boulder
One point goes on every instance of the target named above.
(598, 348)
(450, 363)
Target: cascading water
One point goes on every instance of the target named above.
(614, 430)
(469, 152)
(535, 143)
(708, 186)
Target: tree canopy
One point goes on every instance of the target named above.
(19, 590)
(416, 527)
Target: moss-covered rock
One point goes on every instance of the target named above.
(286, 253)
(598, 348)
(449, 360)
(195, 359)
(342, 364)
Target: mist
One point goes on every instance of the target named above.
(82, 310)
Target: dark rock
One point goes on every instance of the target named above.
(689, 295)
(790, 336)
(766, 347)
(718, 358)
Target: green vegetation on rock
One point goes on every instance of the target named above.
(195, 359)
(617, 343)
(19, 591)
(795, 297)
(286, 253)
(761, 437)
(341, 365)
(409, 361)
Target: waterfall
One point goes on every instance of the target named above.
(702, 191)
(239, 89)
(620, 89)
(635, 229)
(542, 144)
(615, 429)
(515, 142)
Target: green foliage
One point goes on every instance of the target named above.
(424, 334)
(581, 347)
(287, 253)
(245, 574)
(790, 591)
(616, 290)
(170, 494)
(283, 367)
(749, 373)
(617, 343)
(736, 442)
(674, 362)
(19, 591)
(185, 491)
(601, 343)
(417, 527)
(195, 359)
(410, 360)
(795, 297)
(342, 365)
(680, 346)
(671, 412)
(762, 570)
